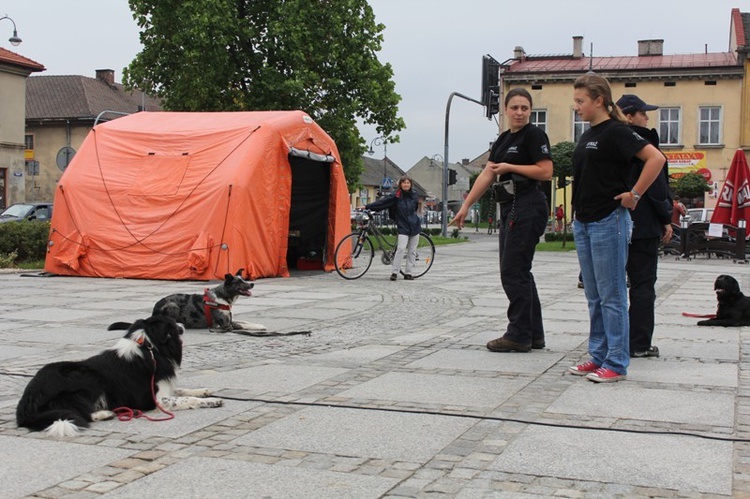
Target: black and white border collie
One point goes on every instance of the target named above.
(64, 397)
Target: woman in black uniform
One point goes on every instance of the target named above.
(518, 160)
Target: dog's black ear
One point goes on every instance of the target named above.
(119, 326)
(239, 272)
(228, 278)
(139, 324)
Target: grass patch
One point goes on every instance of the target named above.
(31, 265)
(556, 246)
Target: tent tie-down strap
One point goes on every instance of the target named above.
(324, 158)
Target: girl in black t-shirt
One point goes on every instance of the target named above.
(519, 158)
(602, 200)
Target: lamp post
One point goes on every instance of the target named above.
(381, 141)
(14, 40)
(445, 157)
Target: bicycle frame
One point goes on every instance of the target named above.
(371, 228)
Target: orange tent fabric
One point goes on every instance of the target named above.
(190, 196)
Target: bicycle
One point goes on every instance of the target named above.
(354, 254)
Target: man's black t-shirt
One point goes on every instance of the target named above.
(601, 168)
(524, 147)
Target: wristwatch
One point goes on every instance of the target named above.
(635, 195)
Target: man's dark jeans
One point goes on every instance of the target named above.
(642, 260)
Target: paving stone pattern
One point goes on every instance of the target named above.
(394, 393)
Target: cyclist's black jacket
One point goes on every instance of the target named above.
(406, 205)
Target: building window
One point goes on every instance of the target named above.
(579, 126)
(29, 140)
(709, 125)
(539, 118)
(669, 125)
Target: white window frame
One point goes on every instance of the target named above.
(670, 123)
(579, 124)
(534, 120)
(712, 123)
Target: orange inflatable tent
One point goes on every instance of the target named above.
(198, 195)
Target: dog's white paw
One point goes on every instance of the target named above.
(194, 392)
(211, 402)
(248, 326)
(102, 415)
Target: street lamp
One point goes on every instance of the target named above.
(14, 40)
(381, 141)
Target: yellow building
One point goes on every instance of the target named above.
(14, 72)
(703, 117)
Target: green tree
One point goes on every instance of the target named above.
(691, 185)
(236, 55)
(486, 206)
(562, 157)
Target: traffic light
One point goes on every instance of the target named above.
(490, 85)
(493, 101)
(451, 176)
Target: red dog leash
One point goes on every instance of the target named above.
(699, 316)
(127, 414)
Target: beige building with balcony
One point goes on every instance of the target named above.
(703, 115)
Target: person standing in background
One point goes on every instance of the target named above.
(404, 205)
(678, 211)
(652, 224)
(559, 216)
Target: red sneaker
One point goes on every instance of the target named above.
(604, 375)
(583, 369)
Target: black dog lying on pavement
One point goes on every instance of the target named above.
(733, 308)
(138, 373)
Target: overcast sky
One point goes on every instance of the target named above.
(434, 46)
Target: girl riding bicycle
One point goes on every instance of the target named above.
(405, 211)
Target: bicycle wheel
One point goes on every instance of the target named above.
(353, 255)
(425, 256)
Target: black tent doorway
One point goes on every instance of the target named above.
(308, 215)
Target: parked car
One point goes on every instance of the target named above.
(698, 215)
(27, 211)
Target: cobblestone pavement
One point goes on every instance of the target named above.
(393, 394)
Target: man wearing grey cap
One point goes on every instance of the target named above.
(652, 219)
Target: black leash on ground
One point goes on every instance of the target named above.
(490, 418)
(259, 334)
(470, 416)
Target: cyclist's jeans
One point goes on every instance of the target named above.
(405, 242)
(602, 248)
(519, 231)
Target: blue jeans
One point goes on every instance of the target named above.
(602, 249)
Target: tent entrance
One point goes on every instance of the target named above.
(308, 215)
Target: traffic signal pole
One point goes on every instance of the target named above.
(444, 222)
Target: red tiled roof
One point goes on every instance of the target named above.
(737, 22)
(13, 59)
(625, 63)
(58, 97)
